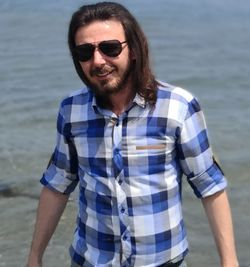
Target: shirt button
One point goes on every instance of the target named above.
(122, 210)
(124, 238)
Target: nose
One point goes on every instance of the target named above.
(98, 59)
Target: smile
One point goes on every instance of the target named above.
(103, 74)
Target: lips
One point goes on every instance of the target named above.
(102, 73)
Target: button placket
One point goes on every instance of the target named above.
(126, 245)
(120, 187)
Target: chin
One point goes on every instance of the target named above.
(109, 88)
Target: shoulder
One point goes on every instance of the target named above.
(175, 102)
(75, 105)
(77, 97)
(175, 93)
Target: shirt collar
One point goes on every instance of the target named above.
(138, 100)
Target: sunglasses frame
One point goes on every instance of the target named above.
(102, 46)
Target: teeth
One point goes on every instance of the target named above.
(102, 74)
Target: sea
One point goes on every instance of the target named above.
(202, 46)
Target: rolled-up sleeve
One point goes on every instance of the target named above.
(195, 154)
(62, 172)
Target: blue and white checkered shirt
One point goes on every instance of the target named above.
(129, 170)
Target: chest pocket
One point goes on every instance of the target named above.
(148, 155)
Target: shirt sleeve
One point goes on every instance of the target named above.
(196, 157)
(62, 172)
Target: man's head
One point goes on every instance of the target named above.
(105, 21)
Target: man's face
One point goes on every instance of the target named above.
(107, 75)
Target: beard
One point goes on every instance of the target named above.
(107, 87)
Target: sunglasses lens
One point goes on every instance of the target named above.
(111, 48)
(84, 52)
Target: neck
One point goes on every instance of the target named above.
(121, 101)
(117, 102)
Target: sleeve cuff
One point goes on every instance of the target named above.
(209, 182)
(56, 180)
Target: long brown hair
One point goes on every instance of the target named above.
(142, 76)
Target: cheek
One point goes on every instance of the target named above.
(85, 68)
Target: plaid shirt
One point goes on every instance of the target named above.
(129, 170)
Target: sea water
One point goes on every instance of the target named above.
(202, 46)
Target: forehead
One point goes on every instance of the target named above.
(99, 31)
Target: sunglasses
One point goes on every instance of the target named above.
(110, 48)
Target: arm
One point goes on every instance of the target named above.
(206, 179)
(50, 209)
(219, 215)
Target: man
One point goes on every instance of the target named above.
(127, 139)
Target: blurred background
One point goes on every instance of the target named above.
(202, 46)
